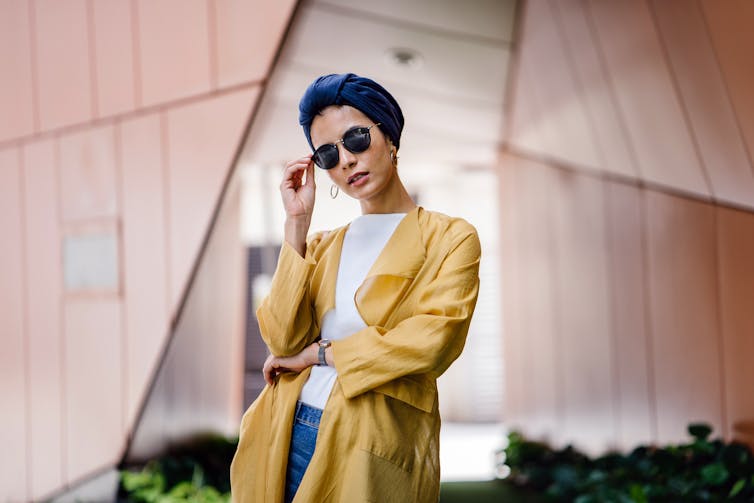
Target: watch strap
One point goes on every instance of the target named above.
(322, 356)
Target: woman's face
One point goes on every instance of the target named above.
(365, 175)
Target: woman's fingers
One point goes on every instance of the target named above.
(302, 161)
(294, 172)
(297, 193)
(272, 367)
(310, 174)
(275, 365)
(293, 175)
(267, 370)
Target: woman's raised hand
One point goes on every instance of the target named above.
(298, 195)
(298, 201)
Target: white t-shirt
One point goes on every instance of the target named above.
(365, 238)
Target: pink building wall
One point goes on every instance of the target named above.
(119, 118)
(627, 199)
(627, 191)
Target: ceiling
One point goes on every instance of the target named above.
(452, 93)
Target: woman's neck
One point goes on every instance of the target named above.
(395, 200)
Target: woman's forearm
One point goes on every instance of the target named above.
(308, 357)
(295, 231)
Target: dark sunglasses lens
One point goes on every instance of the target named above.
(357, 140)
(326, 156)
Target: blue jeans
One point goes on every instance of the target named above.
(303, 439)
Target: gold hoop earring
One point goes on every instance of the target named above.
(394, 158)
(337, 191)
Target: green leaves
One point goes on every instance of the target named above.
(702, 470)
(197, 472)
(737, 488)
(149, 486)
(715, 474)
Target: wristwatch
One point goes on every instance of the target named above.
(323, 345)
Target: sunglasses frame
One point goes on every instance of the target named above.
(334, 145)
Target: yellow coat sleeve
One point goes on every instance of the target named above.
(286, 317)
(425, 343)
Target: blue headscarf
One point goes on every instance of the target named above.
(362, 93)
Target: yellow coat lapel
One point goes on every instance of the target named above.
(392, 273)
(385, 283)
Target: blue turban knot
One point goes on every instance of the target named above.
(362, 93)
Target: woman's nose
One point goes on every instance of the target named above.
(347, 158)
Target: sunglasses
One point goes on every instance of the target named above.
(355, 140)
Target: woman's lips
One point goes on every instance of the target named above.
(358, 178)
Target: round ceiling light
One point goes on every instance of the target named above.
(403, 57)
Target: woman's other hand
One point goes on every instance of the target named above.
(275, 365)
(298, 200)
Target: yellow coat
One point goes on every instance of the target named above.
(379, 434)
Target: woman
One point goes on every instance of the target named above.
(359, 321)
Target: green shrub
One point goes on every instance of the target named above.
(197, 471)
(702, 470)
